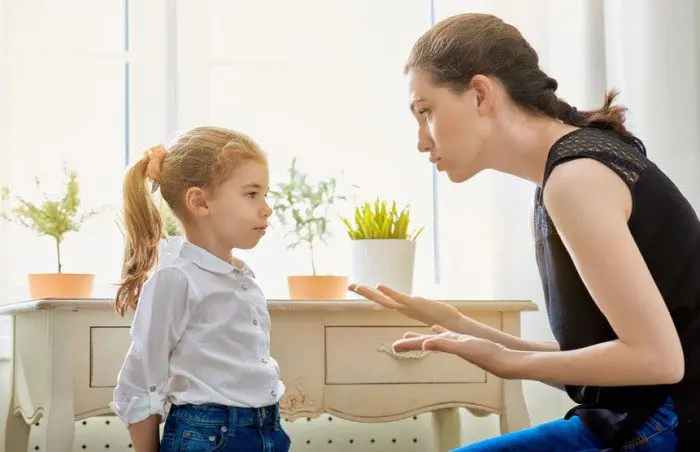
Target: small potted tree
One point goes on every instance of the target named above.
(383, 248)
(302, 209)
(171, 240)
(54, 218)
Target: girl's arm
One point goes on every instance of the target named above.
(145, 435)
(590, 207)
(161, 316)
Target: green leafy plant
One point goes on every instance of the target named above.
(52, 217)
(375, 220)
(171, 225)
(302, 208)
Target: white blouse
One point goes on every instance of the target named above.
(201, 334)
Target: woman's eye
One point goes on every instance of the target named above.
(252, 194)
(423, 112)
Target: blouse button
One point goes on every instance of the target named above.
(264, 360)
(244, 287)
(152, 388)
(255, 321)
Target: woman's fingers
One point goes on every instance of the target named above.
(411, 334)
(400, 297)
(374, 295)
(413, 343)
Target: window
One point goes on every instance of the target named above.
(319, 80)
(93, 85)
(70, 73)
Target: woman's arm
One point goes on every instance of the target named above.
(465, 325)
(590, 207)
(433, 312)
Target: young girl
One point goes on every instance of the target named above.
(201, 330)
(617, 246)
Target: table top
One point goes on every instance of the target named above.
(107, 304)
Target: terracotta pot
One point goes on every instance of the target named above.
(61, 285)
(323, 287)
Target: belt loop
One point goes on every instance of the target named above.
(232, 419)
(262, 416)
(277, 416)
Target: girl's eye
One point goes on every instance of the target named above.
(252, 194)
(423, 112)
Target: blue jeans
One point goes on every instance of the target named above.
(571, 435)
(209, 428)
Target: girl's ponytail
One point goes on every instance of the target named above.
(143, 227)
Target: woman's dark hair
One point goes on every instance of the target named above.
(461, 46)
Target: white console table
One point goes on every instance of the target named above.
(334, 356)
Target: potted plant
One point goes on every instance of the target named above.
(54, 218)
(383, 249)
(171, 240)
(302, 209)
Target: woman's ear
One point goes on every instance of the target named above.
(484, 92)
(196, 202)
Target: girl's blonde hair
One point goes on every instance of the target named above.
(202, 157)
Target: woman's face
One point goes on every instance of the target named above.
(454, 128)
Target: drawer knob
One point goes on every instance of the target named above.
(413, 354)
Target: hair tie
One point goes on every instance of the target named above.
(155, 156)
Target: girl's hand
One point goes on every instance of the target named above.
(430, 312)
(488, 355)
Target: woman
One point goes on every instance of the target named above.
(618, 246)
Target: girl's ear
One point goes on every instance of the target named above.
(196, 202)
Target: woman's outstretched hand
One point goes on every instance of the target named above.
(430, 312)
(486, 354)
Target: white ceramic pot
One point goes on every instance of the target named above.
(384, 261)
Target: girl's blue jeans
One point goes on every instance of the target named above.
(209, 427)
(571, 435)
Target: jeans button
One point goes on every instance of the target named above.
(212, 438)
(224, 429)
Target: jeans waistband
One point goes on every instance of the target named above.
(232, 416)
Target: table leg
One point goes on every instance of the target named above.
(59, 417)
(16, 432)
(514, 416)
(447, 428)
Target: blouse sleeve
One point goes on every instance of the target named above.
(161, 316)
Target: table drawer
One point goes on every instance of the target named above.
(108, 347)
(363, 355)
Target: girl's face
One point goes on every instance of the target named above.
(453, 128)
(235, 212)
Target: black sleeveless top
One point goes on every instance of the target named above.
(667, 232)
